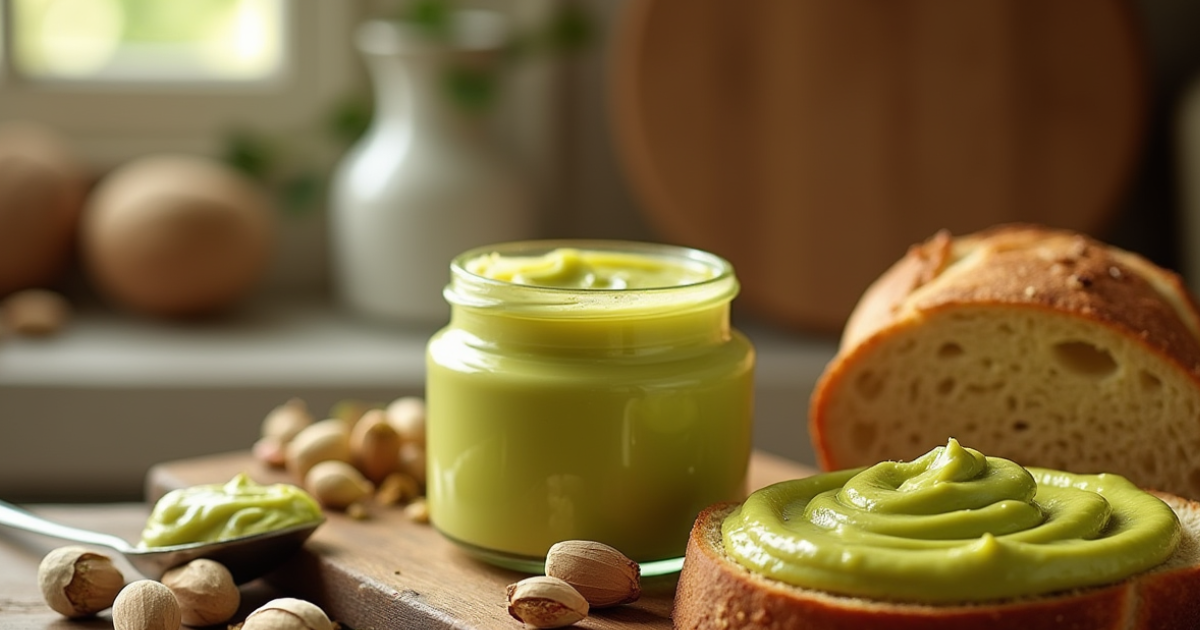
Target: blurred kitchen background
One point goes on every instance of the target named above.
(244, 201)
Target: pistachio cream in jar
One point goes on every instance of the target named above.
(585, 390)
(952, 526)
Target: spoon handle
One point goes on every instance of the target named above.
(20, 518)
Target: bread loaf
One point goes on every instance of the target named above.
(716, 592)
(1040, 345)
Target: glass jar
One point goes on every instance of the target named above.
(612, 414)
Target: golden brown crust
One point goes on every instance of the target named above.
(1038, 267)
(715, 592)
(1180, 589)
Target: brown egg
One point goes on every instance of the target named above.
(176, 236)
(42, 188)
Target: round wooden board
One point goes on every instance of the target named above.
(811, 142)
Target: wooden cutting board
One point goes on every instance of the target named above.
(811, 142)
(387, 573)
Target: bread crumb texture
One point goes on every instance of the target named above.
(1039, 346)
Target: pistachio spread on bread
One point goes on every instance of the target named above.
(951, 526)
(951, 539)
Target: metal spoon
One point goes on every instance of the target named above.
(246, 557)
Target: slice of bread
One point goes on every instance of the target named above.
(1039, 345)
(716, 592)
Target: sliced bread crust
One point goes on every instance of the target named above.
(1038, 345)
(716, 592)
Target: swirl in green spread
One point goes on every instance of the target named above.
(951, 526)
(587, 269)
(239, 507)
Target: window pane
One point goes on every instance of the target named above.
(147, 40)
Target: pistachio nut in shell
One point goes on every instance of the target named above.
(288, 613)
(78, 582)
(546, 602)
(602, 574)
(146, 605)
(206, 592)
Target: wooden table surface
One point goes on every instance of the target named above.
(22, 607)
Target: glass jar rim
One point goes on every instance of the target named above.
(472, 290)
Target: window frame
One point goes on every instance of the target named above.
(112, 121)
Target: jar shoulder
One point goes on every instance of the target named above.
(458, 350)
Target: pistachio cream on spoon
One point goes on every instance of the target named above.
(216, 512)
(951, 526)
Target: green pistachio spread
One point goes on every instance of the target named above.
(587, 269)
(240, 507)
(951, 526)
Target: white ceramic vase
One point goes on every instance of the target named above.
(426, 182)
